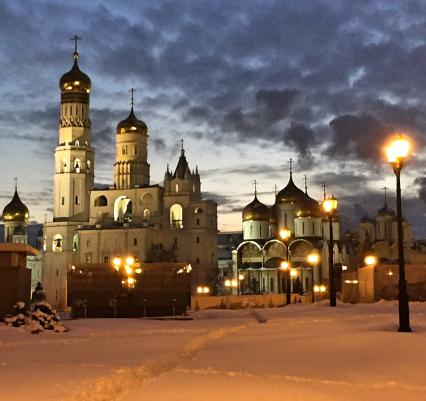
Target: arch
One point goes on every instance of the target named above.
(123, 209)
(146, 215)
(146, 199)
(75, 242)
(176, 216)
(300, 240)
(77, 143)
(101, 201)
(77, 165)
(248, 242)
(267, 243)
(57, 243)
(198, 210)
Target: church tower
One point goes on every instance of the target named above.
(74, 155)
(73, 181)
(131, 169)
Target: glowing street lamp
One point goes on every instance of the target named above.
(329, 206)
(397, 152)
(370, 260)
(203, 290)
(285, 234)
(313, 259)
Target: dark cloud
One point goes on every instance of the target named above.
(302, 138)
(421, 182)
(359, 137)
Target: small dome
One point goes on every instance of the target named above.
(16, 210)
(131, 124)
(386, 211)
(308, 207)
(291, 193)
(75, 80)
(256, 210)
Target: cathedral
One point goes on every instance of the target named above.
(257, 259)
(131, 217)
(15, 221)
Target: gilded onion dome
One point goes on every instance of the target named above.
(16, 210)
(308, 207)
(75, 80)
(290, 193)
(257, 211)
(132, 125)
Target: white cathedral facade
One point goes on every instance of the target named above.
(257, 259)
(131, 217)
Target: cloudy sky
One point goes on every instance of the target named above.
(246, 84)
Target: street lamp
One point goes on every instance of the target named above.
(313, 259)
(285, 265)
(230, 284)
(370, 260)
(329, 206)
(285, 234)
(397, 151)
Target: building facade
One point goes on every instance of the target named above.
(258, 258)
(131, 217)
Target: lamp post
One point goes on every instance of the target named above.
(285, 265)
(329, 206)
(313, 259)
(397, 151)
(285, 235)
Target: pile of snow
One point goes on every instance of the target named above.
(41, 317)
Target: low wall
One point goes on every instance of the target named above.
(202, 302)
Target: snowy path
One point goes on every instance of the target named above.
(297, 353)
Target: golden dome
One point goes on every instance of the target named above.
(16, 210)
(290, 193)
(256, 210)
(131, 124)
(308, 207)
(75, 80)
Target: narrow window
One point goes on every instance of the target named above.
(135, 241)
(260, 231)
(198, 222)
(198, 240)
(106, 259)
(313, 228)
(88, 243)
(177, 187)
(57, 272)
(176, 241)
(303, 228)
(198, 261)
(77, 201)
(63, 201)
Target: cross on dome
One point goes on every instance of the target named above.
(75, 38)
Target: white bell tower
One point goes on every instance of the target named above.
(74, 155)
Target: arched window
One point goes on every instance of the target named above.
(176, 216)
(57, 243)
(146, 215)
(88, 164)
(101, 201)
(77, 165)
(123, 209)
(77, 143)
(77, 200)
(198, 210)
(75, 241)
(177, 187)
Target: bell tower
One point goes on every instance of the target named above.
(74, 155)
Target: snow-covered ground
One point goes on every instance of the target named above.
(301, 352)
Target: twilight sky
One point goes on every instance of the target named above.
(246, 84)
